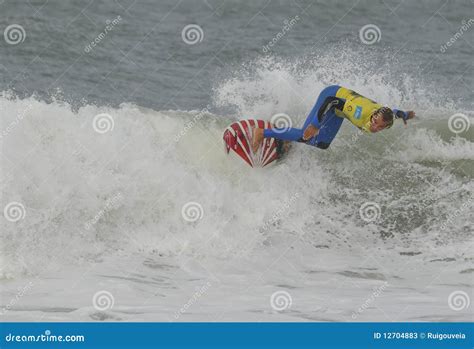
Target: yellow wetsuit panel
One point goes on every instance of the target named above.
(357, 109)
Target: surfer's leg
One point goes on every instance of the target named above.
(312, 118)
(296, 134)
(284, 134)
(330, 126)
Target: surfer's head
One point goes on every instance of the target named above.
(381, 119)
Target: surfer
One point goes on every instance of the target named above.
(334, 104)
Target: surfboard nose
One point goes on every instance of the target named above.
(238, 137)
(230, 139)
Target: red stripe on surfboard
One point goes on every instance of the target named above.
(238, 137)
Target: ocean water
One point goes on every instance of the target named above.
(119, 203)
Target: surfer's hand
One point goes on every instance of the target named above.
(410, 115)
(310, 132)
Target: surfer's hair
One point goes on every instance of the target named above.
(387, 114)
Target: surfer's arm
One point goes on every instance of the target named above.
(403, 115)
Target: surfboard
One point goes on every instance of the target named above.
(238, 138)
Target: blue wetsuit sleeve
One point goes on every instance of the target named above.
(400, 114)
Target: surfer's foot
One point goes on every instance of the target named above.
(257, 138)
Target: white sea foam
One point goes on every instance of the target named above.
(101, 207)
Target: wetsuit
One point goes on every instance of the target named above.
(334, 104)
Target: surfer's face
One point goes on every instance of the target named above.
(377, 123)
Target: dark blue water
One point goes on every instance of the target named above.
(144, 59)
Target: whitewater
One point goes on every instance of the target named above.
(135, 214)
